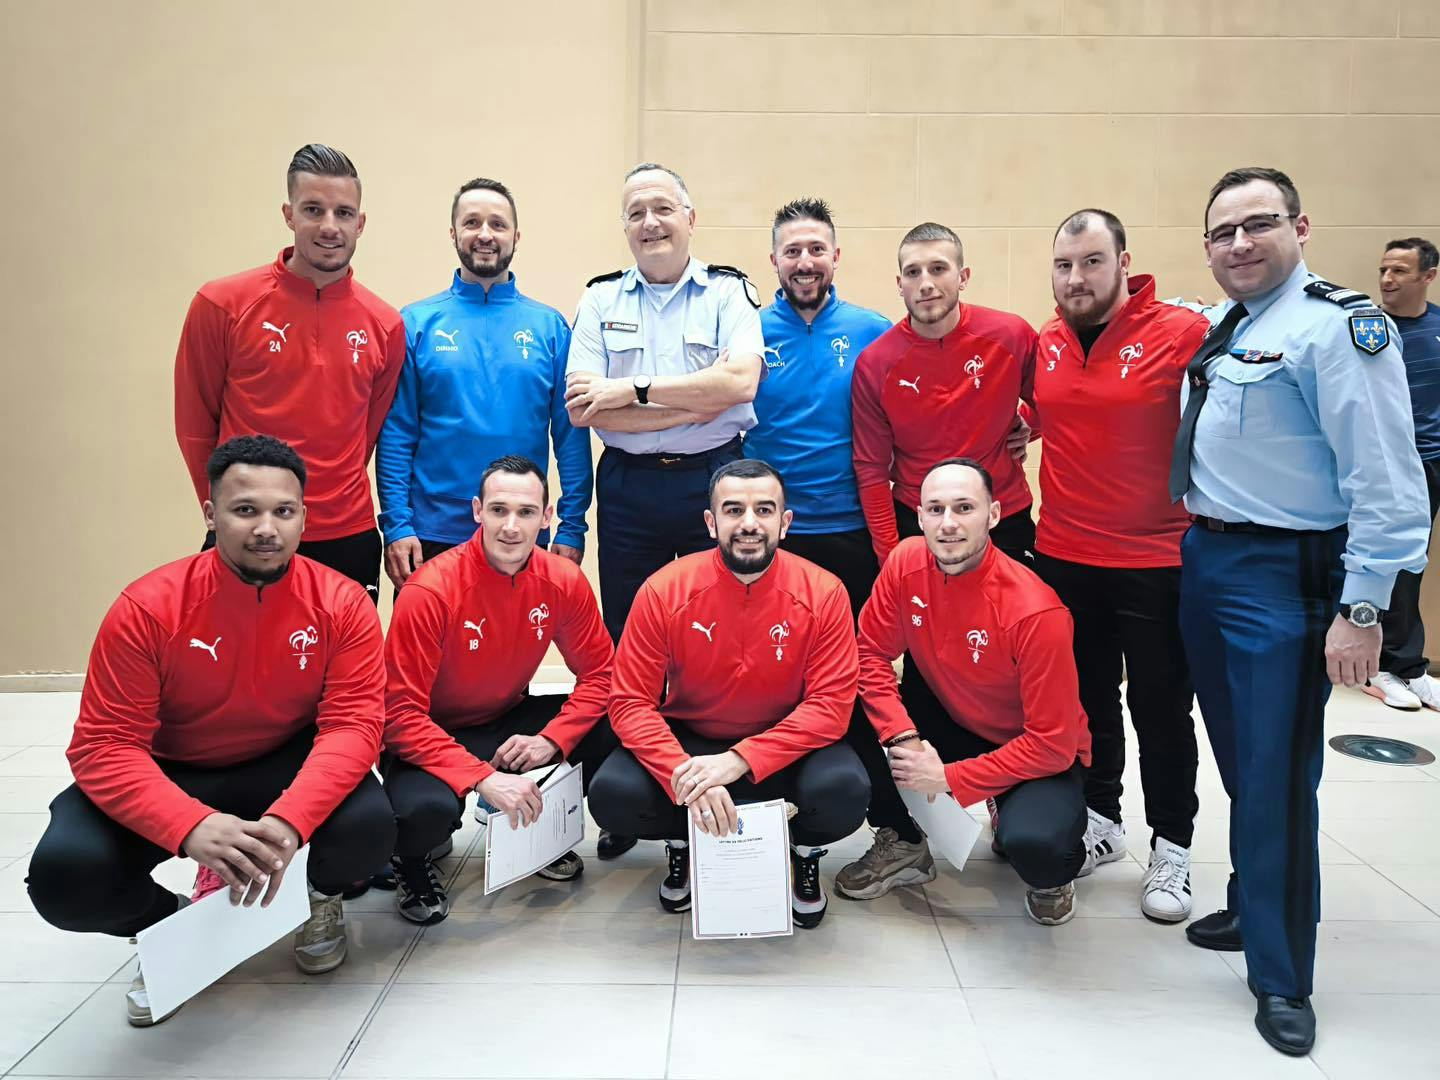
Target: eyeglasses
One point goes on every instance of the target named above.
(661, 213)
(1255, 227)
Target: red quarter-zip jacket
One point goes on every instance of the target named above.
(995, 645)
(771, 665)
(916, 401)
(193, 665)
(266, 353)
(466, 640)
(1109, 423)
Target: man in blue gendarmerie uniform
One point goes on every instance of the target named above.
(484, 376)
(1296, 455)
(664, 363)
(812, 338)
(1407, 269)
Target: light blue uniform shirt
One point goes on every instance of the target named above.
(626, 327)
(1319, 438)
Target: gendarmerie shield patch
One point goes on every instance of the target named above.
(1369, 330)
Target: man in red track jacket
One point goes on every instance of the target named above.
(1001, 718)
(734, 678)
(470, 630)
(944, 382)
(1107, 388)
(300, 350)
(232, 711)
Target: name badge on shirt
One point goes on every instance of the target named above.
(1256, 356)
(631, 327)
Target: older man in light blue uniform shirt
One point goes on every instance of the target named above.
(1296, 454)
(665, 360)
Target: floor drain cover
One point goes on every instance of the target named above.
(1382, 751)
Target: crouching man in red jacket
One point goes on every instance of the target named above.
(734, 678)
(998, 715)
(233, 708)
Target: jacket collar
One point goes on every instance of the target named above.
(303, 287)
(477, 293)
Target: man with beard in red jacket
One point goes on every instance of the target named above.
(232, 710)
(1107, 388)
(734, 679)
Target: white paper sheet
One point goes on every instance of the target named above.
(951, 831)
(201, 942)
(514, 854)
(740, 884)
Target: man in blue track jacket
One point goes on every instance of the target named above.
(484, 376)
(812, 338)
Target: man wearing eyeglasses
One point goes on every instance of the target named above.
(664, 362)
(1296, 455)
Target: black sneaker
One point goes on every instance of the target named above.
(808, 896)
(419, 896)
(675, 889)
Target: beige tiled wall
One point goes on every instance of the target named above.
(147, 145)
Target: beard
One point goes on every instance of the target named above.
(473, 265)
(822, 291)
(934, 316)
(748, 564)
(1096, 312)
(260, 576)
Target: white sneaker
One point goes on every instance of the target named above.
(1104, 842)
(1165, 888)
(1426, 689)
(1395, 692)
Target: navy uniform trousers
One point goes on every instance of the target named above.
(1254, 611)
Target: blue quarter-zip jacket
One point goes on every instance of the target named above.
(484, 376)
(803, 409)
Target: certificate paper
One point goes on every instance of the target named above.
(185, 953)
(513, 854)
(951, 831)
(740, 884)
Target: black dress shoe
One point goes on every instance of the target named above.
(613, 845)
(1287, 1024)
(1219, 931)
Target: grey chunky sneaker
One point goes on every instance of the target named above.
(890, 863)
(320, 944)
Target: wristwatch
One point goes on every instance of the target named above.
(1362, 614)
(642, 388)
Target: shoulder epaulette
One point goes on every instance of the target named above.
(746, 285)
(1338, 294)
(614, 275)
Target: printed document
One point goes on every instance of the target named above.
(740, 884)
(952, 832)
(514, 854)
(185, 953)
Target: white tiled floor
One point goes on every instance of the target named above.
(591, 979)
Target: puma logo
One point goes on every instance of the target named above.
(706, 630)
(276, 330)
(912, 385)
(918, 602)
(450, 336)
(196, 643)
(480, 629)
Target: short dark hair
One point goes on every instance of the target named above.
(1081, 220)
(652, 166)
(928, 232)
(518, 465)
(1429, 257)
(969, 463)
(320, 160)
(483, 183)
(1241, 177)
(746, 469)
(263, 450)
(805, 208)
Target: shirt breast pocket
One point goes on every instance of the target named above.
(1256, 399)
(625, 354)
(702, 346)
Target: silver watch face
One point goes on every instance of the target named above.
(1363, 615)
